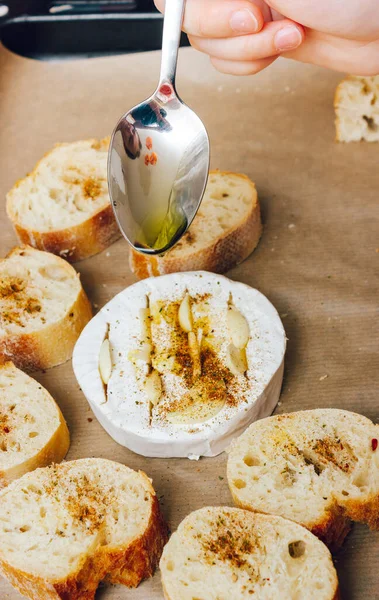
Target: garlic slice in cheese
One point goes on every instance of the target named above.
(153, 387)
(105, 361)
(182, 391)
(144, 315)
(238, 328)
(143, 354)
(164, 363)
(185, 315)
(236, 360)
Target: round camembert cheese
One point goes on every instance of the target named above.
(179, 365)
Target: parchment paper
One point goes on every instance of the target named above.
(317, 260)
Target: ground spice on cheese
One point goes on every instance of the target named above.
(212, 383)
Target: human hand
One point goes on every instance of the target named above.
(245, 36)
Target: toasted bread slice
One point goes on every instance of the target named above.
(317, 467)
(43, 308)
(33, 432)
(357, 109)
(65, 528)
(224, 232)
(63, 205)
(228, 553)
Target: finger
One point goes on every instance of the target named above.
(275, 38)
(355, 19)
(232, 67)
(265, 9)
(220, 18)
(339, 54)
(276, 16)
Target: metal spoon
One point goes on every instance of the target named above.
(159, 157)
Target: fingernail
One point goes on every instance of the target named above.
(287, 38)
(244, 21)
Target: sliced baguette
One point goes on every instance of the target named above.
(63, 205)
(43, 308)
(224, 232)
(231, 554)
(317, 467)
(65, 528)
(33, 432)
(356, 105)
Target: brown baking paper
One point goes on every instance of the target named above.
(317, 261)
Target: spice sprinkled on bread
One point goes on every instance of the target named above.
(63, 205)
(65, 528)
(318, 467)
(227, 553)
(33, 432)
(43, 308)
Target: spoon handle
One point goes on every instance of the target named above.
(173, 19)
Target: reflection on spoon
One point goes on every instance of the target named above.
(150, 116)
(130, 139)
(159, 230)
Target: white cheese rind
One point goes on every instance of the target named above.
(123, 410)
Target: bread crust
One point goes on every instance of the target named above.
(331, 530)
(336, 102)
(130, 566)
(229, 250)
(72, 243)
(127, 565)
(51, 345)
(337, 98)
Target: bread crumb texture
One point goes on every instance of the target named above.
(67, 185)
(65, 528)
(63, 205)
(40, 295)
(36, 289)
(318, 467)
(223, 553)
(33, 432)
(357, 109)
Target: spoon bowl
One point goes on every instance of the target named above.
(159, 158)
